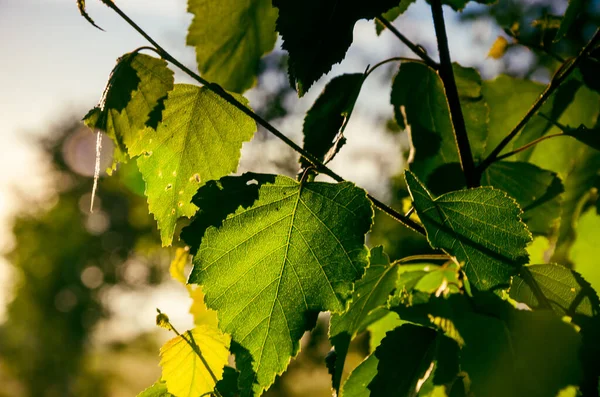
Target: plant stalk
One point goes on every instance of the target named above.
(418, 50)
(559, 77)
(268, 126)
(456, 114)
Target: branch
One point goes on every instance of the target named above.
(559, 77)
(418, 50)
(319, 166)
(447, 76)
(527, 146)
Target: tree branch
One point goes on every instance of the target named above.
(559, 77)
(319, 166)
(418, 50)
(447, 76)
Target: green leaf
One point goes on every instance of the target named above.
(359, 379)
(136, 87)
(509, 99)
(537, 191)
(481, 227)
(575, 8)
(317, 34)
(326, 120)
(159, 389)
(504, 351)
(576, 163)
(419, 101)
(566, 291)
(392, 14)
(405, 357)
(269, 267)
(230, 38)
(192, 361)
(589, 136)
(83, 12)
(370, 292)
(585, 250)
(199, 139)
(388, 321)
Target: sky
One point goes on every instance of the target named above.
(54, 64)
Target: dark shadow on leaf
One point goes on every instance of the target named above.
(155, 116)
(336, 358)
(218, 199)
(446, 178)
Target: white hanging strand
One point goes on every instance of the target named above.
(97, 168)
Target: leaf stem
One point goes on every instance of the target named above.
(447, 76)
(430, 257)
(527, 146)
(559, 77)
(234, 102)
(385, 61)
(417, 49)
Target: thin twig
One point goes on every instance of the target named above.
(527, 146)
(394, 59)
(418, 50)
(425, 257)
(560, 76)
(234, 102)
(447, 76)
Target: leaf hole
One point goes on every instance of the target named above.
(169, 186)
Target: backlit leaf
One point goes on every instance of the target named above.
(357, 383)
(317, 33)
(199, 139)
(392, 14)
(585, 250)
(535, 354)
(185, 360)
(269, 267)
(230, 37)
(159, 389)
(326, 120)
(136, 87)
(480, 227)
(566, 291)
(370, 292)
(419, 101)
(575, 162)
(537, 191)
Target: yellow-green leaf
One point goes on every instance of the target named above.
(199, 139)
(186, 359)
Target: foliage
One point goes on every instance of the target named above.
(270, 252)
